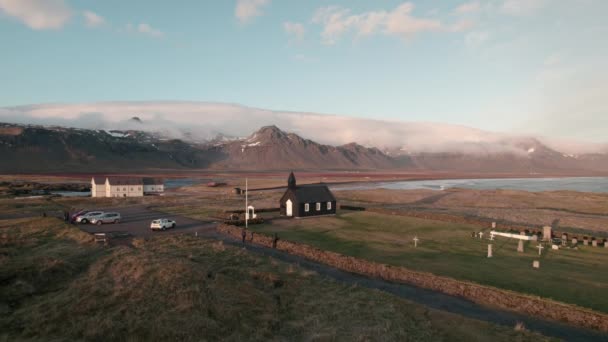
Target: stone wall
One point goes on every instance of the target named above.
(504, 299)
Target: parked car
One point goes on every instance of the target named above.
(87, 217)
(77, 214)
(162, 224)
(106, 218)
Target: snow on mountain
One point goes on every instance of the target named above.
(205, 122)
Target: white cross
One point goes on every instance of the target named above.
(480, 235)
(415, 241)
(491, 237)
(540, 248)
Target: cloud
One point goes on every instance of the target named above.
(248, 9)
(468, 7)
(476, 39)
(462, 25)
(304, 58)
(38, 14)
(569, 97)
(295, 30)
(92, 19)
(204, 120)
(522, 7)
(145, 29)
(338, 21)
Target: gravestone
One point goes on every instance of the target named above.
(564, 239)
(489, 250)
(520, 246)
(556, 247)
(594, 243)
(540, 248)
(536, 264)
(605, 243)
(547, 233)
(574, 241)
(585, 242)
(493, 225)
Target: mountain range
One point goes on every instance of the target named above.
(37, 149)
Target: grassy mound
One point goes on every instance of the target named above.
(57, 284)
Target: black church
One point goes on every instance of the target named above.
(307, 200)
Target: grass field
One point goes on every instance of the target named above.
(571, 276)
(56, 284)
(577, 211)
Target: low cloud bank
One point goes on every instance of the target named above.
(204, 120)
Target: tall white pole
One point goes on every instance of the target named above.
(246, 203)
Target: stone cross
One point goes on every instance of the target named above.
(540, 248)
(489, 250)
(520, 246)
(415, 241)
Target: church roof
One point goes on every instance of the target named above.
(313, 193)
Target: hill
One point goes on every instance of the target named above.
(58, 285)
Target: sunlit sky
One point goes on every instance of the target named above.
(505, 65)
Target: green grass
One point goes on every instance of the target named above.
(56, 284)
(571, 276)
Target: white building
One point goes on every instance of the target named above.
(124, 187)
(153, 186)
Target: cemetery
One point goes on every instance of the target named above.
(520, 262)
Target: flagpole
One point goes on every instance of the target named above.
(246, 203)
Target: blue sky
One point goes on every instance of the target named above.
(529, 65)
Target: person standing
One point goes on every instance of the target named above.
(275, 239)
(244, 235)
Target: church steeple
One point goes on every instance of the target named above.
(291, 181)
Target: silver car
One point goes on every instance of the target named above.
(86, 218)
(106, 218)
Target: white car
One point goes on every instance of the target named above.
(162, 224)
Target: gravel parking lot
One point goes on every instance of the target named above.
(136, 221)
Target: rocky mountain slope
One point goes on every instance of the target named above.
(58, 149)
(271, 148)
